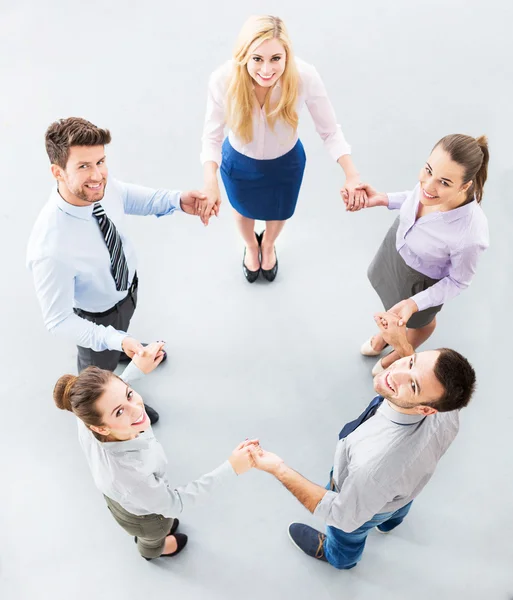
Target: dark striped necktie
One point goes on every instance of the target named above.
(118, 264)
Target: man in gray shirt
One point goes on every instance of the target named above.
(385, 457)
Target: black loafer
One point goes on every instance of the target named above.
(124, 358)
(153, 415)
(251, 276)
(269, 274)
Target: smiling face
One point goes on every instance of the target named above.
(122, 412)
(441, 181)
(83, 180)
(410, 382)
(267, 63)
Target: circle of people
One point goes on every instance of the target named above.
(84, 270)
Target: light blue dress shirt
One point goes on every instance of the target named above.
(70, 261)
(441, 245)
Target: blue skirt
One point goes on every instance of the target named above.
(266, 190)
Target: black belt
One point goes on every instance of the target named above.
(131, 290)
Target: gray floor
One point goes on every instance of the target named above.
(276, 361)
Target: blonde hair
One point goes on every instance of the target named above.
(239, 98)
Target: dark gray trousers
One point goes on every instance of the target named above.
(119, 317)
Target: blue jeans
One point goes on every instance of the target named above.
(344, 550)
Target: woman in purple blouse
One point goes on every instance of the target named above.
(430, 253)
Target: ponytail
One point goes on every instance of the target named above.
(482, 174)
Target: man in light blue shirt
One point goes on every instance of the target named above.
(83, 264)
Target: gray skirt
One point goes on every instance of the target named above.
(394, 280)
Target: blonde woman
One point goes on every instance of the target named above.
(258, 95)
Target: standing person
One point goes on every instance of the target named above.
(430, 253)
(83, 264)
(386, 456)
(127, 462)
(258, 95)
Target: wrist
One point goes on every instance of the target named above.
(382, 200)
(278, 470)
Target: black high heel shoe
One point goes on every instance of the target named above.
(269, 274)
(251, 276)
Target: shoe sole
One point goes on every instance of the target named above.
(292, 539)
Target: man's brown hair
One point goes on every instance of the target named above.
(74, 131)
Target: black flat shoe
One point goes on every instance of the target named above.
(251, 276)
(153, 415)
(269, 274)
(181, 542)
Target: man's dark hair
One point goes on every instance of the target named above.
(458, 379)
(65, 133)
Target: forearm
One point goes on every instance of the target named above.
(308, 493)
(210, 173)
(89, 335)
(346, 162)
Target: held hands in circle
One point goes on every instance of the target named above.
(200, 204)
(364, 196)
(249, 454)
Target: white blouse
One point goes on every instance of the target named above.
(270, 143)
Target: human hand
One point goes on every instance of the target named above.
(241, 458)
(209, 206)
(192, 202)
(131, 346)
(264, 460)
(354, 197)
(404, 310)
(373, 198)
(150, 357)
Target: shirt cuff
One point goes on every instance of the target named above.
(225, 471)
(395, 200)
(114, 338)
(175, 196)
(422, 300)
(323, 509)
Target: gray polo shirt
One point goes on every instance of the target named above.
(384, 464)
(133, 472)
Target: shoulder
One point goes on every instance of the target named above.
(220, 76)
(47, 233)
(307, 72)
(476, 232)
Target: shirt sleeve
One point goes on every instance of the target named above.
(359, 499)
(156, 495)
(143, 201)
(461, 272)
(131, 373)
(323, 115)
(397, 199)
(215, 120)
(54, 282)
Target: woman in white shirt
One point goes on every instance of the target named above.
(258, 95)
(127, 462)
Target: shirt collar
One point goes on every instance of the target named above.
(450, 215)
(80, 212)
(398, 417)
(141, 442)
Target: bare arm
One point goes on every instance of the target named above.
(308, 493)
